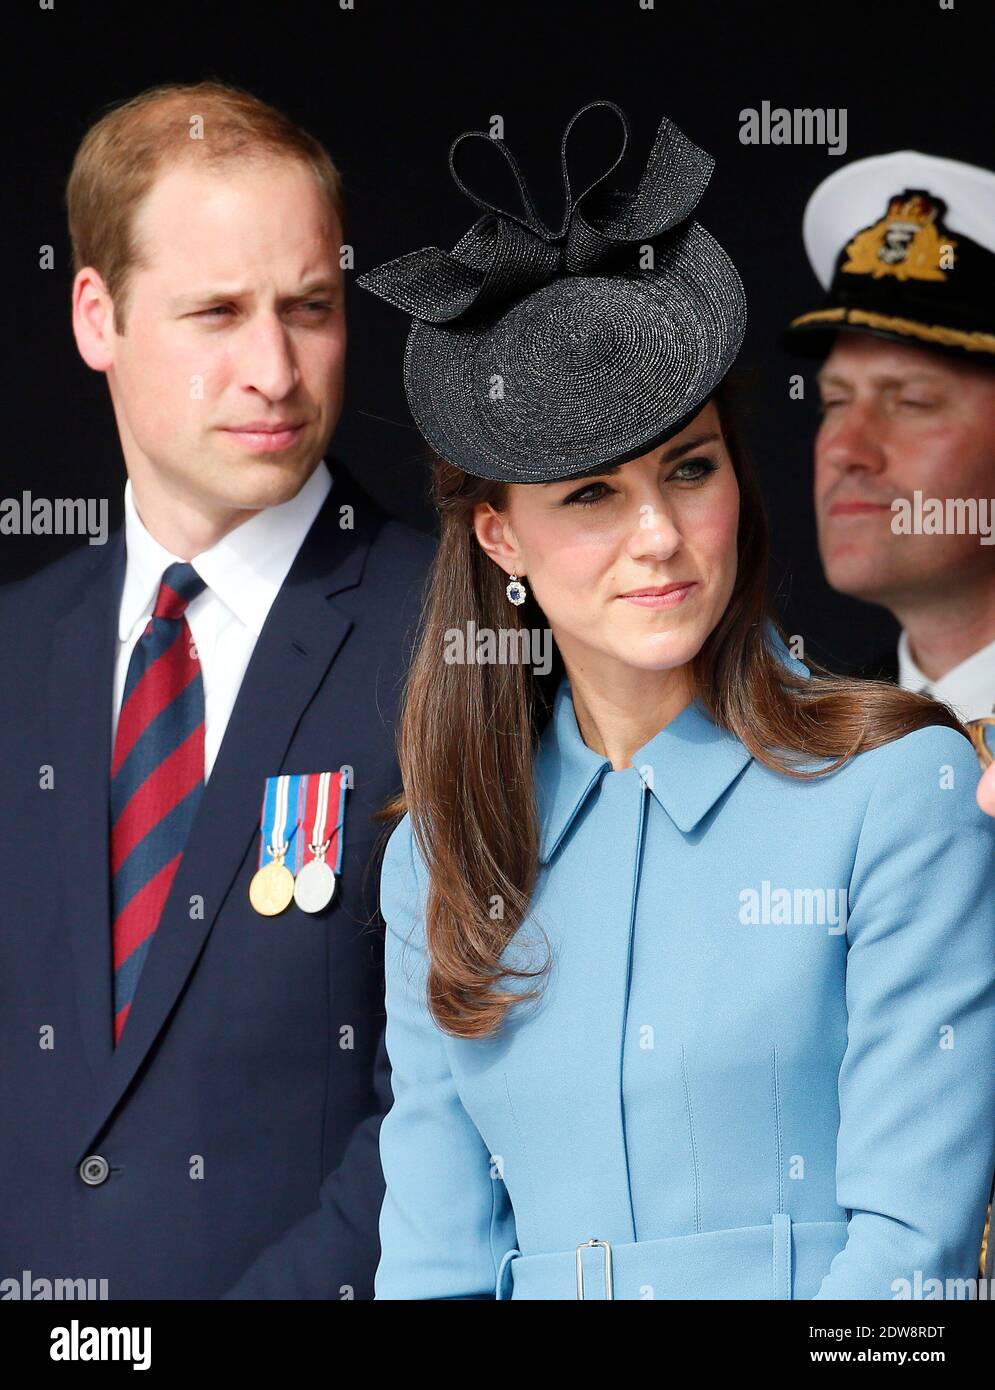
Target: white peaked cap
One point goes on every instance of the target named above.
(857, 195)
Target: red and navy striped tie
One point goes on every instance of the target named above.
(157, 777)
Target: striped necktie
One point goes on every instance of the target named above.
(157, 777)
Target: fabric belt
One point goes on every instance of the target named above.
(779, 1260)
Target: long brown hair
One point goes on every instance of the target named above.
(469, 733)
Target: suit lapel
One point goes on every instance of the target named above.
(80, 694)
(300, 639)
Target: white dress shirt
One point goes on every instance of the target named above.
(243, 573)
(969, 687)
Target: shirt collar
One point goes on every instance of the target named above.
(244, 569)
(969, 687)
(693, 762)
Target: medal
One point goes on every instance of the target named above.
(272, 886)
(982, 733)
(315, 884)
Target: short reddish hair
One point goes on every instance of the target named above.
(125, 151)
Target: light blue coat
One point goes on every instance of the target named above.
(745, 1091)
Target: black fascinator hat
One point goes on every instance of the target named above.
(537, 355)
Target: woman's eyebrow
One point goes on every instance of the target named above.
(695, 443)
(610, 469)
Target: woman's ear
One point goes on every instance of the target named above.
(496, 537)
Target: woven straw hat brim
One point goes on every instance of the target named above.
(586, 371)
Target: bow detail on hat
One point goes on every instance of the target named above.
(505, 256)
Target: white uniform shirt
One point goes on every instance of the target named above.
(969, 687)
(243, 573)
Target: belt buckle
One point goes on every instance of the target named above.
(586, 1245)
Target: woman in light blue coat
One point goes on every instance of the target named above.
(690, 949)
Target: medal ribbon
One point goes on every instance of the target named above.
(324, 791)
(279, 817)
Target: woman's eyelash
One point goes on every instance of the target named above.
(577, 499)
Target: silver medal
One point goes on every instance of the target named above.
(314, 886)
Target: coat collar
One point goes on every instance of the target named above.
(692, 760)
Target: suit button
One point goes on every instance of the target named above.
(94, 1170)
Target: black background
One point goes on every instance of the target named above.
(386, 86)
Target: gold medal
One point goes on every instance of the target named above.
(272, 888)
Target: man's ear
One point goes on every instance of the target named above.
(93, 319)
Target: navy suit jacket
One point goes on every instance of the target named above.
(883, 667)
(239, 1116)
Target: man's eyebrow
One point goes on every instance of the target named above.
(317, 287)
(824, 379)
(902, 379)
(610, 469)
(212, 296)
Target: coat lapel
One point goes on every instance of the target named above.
(300, 639)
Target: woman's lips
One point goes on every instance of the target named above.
(668, 600)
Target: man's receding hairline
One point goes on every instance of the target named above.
(217, 166)
(926, 362)
(142, 260)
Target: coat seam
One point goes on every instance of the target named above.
(778, 1133)
(694, 1151)
(633, 901)
(525, 1163)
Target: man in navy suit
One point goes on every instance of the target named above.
(192, 1090)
